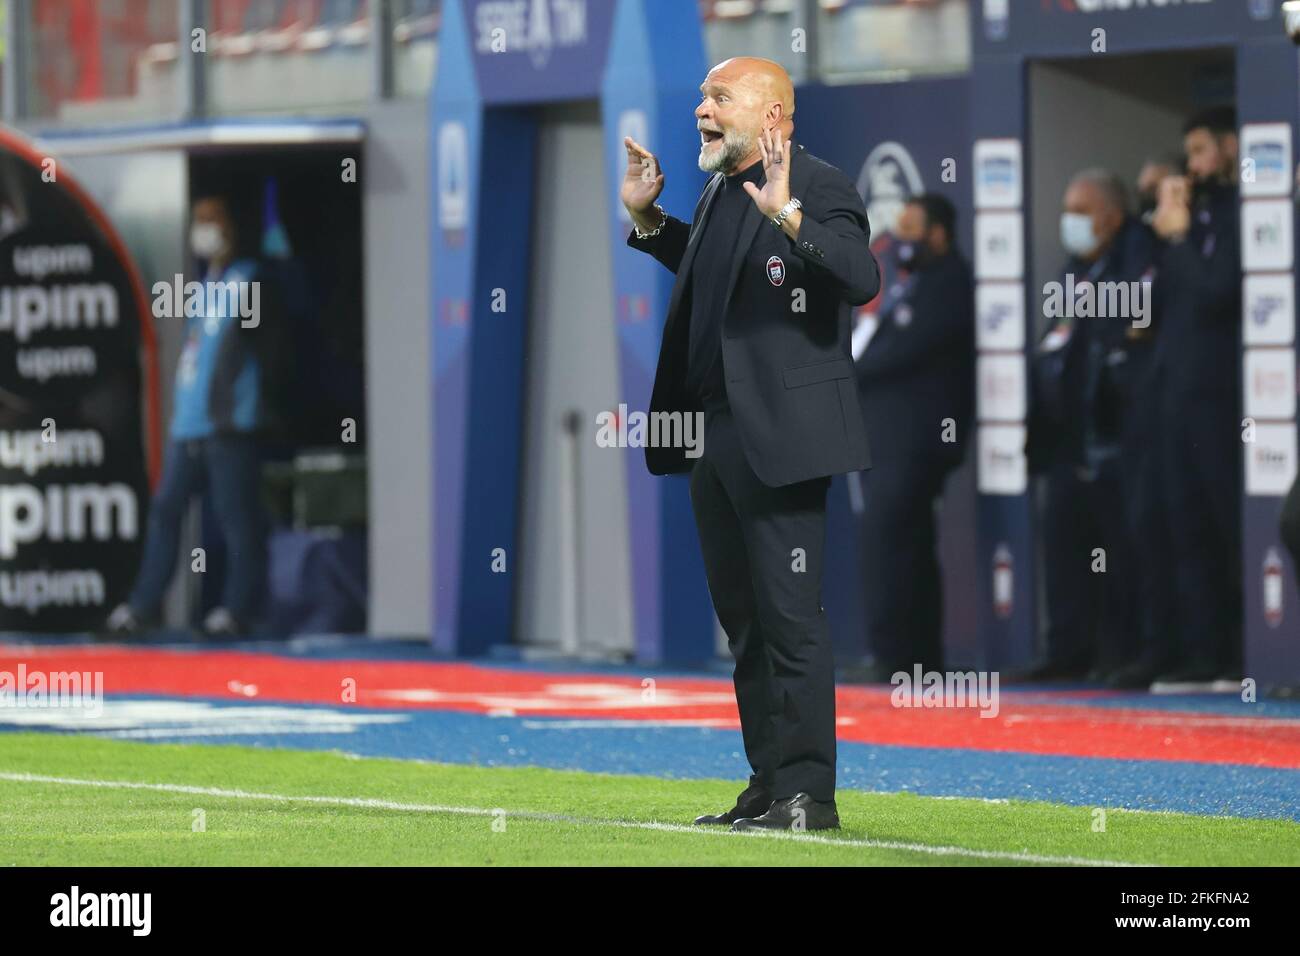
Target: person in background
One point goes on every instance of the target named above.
(916, 386)
(1081, 406)
(1142, 465)
(1199, 291)
(217, 412)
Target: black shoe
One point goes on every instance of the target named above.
(798, 813)
(1138, 675)
(751, 802)
(220, 623)
(1053, 671)
(1199, 671)
(124, 621)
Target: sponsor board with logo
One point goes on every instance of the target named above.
(453, 180)
(1000, 387)
(1266, 234)
(888, 178)
(73, 320)
(523, 46)
(1266, 159)
(999, 245)
(1000, 316)
(1001, 465)
(1271, 459)
(1268, 309)
(1269, 383)
(998, 174)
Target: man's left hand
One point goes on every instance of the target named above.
(771, 199)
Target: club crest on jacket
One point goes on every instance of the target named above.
(775, 270)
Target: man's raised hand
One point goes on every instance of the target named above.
(775, 153)
(642, 184)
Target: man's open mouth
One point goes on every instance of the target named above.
(708, 136)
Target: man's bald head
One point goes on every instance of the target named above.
(765, 79)
(741, 98)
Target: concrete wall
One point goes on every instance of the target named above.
(575, 592)
(395, 175)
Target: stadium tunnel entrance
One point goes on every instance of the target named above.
(294, 192)
(1134, 107)
(542, 318)
(1041, 76)
(574, 590)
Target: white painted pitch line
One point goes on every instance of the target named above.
(376, 804)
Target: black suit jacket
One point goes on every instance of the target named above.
(919, 367)
(789, 374)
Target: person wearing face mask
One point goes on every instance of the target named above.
(916, 387)
(1087, 374)
(217, 413)
(1197, 355)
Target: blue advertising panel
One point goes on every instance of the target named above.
(525, 52)
(1070, 27)
(650, 92)
(1005, 550)
(897, 140)
(1267, 111)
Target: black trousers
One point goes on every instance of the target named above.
(899, 564)
(763, 558)
(1146, 494)
(1091, 616)
(1202, 462)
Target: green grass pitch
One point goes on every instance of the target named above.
(82, 801)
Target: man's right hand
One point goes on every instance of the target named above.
(642, 185)
(1173, 215)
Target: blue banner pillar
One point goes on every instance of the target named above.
(644, 61)
(1005, 559)
(650, 91)
(1267, 111)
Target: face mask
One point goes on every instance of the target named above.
(206, 240)
(1076, 233)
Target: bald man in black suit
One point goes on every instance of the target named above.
(757, 338)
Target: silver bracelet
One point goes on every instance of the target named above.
(657, 229)
(779, 219)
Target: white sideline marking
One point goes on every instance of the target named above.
(376, 804)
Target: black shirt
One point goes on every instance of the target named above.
(709, 274)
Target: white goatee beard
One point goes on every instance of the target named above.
(736, 145)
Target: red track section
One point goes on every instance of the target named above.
(866, 715)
